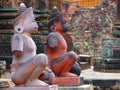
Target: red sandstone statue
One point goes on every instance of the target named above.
(60, 60)
(27, 66)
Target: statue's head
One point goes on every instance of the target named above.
(57, 17)
(25, 21)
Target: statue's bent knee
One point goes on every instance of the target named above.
(41, 60)
(17, 80)
(51, 75)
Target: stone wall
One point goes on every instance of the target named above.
(90, 26)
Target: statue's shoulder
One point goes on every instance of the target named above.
(17, 37)
(52, 40)
(53, 35)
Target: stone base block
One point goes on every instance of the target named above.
(82, 87)
(51, 87)
(3, 88)
(67, 81)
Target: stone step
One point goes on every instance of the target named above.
(50, 87)
(53, 87)
(81, 87)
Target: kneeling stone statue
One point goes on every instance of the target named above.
(28, 68)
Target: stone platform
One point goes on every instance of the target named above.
(101, 80)
(11, 86)
(50, 87)
(53, 87)
(67, 81)
(81, 87)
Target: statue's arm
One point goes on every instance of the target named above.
(17, 45)
(52, 40)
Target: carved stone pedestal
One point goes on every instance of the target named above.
(67, 81)
(51, 87)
